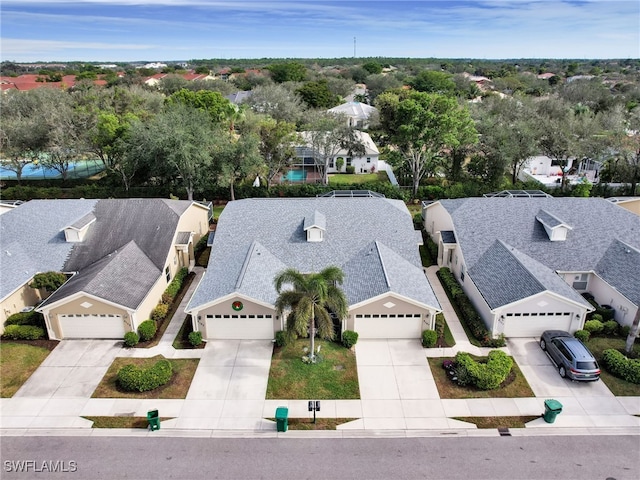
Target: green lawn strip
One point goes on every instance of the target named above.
(181, 341)
(217, 210)
(183, 371)
(321, 423)
(499, 422)
(515, 386)
(203, 258)
(618, 386)
(333, 378)
(122, 422)
(357, 179)
(173, 308)
(449, 341)
(18, 360)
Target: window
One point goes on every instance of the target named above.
(167, 273)
(331, 163)
(461, 273)
(368, 159)
(348, 161)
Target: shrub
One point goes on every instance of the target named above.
(50, 281)
(606, 311)
(159, 313)
(582, 335)
(26, 318)
(350, 169)
(174, 287)
(440, 323)
(134, 379)
(195, 338)
(620, 366)
(349, 338)
(131, 339)
(596, 316)
(610, 327)
(281, 338)
(23, 332)
(624, 330)
(429, 338)
(485, 376)
(147, 330)
(593, 326)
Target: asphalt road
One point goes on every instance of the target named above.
(553, 457)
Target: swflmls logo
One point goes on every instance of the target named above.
(23, 466)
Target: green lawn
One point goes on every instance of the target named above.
(335, 377)
(618, 387)
(515, 386)
(498, 422)
(183, 371)
(17, 362)
(122, 422)
(351, 179)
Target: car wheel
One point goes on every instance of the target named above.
(562, 372)
(543, 344)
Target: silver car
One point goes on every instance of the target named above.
(569, 354)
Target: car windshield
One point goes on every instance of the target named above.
(586, 365)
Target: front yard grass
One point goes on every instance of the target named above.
(499, 422)
(333, 378)
(122, 422)
(618, 386)
(515, 386)
(183, 371)
(18, 360)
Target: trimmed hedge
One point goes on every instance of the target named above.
(159, 313)
(593, 326)
(174, 287)
(26, 318)
(349, 338)
(131, 339)
(429, 338)
(134, 379)
(582, 335)
(23, 332)
(195, 338)
(281, 338)
(485, 376)
(620, 366)
(610, 327)
(147, 330)
(468, 312)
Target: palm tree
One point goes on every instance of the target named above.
(311, 299)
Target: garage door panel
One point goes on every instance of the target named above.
(92, 326)
(533, 326)
(240, 327)
(384, 326)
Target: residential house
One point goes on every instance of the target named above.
(630, 203)
(307, 158)
(524, 262)
(120, 255)
(371, 239)
(358, 114)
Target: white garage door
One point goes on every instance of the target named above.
(240, 327)
(389, 326)
(91, 326)
(529, 325)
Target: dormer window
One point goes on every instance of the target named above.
(556, 229)
(78, 229)
(315, 225)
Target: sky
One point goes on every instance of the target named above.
(170, 30)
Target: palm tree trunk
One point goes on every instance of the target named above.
(312, 335)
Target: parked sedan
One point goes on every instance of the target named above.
(569, 354)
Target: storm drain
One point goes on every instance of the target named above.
(504, 432)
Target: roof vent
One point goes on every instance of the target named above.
(315, 225)
(78, 229)
(556, 229)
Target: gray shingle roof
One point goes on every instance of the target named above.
(84, 221)
(32, 240)
(549, 220)
(123, 277)
(316, 219)
(596, 223)
(257, 238)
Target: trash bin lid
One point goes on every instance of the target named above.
(552, 404)
(282, 412)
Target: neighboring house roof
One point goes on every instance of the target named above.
(239, 97)
(357, 110)
(30, 82)
(32, 240)
(125, 234)
(258, 238)
(598, 225)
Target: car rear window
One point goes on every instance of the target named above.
(586, 365)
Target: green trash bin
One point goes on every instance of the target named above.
(552, 409)
(154, 420)
(282, 419)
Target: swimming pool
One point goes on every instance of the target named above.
(79, 169)
(295, 176)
